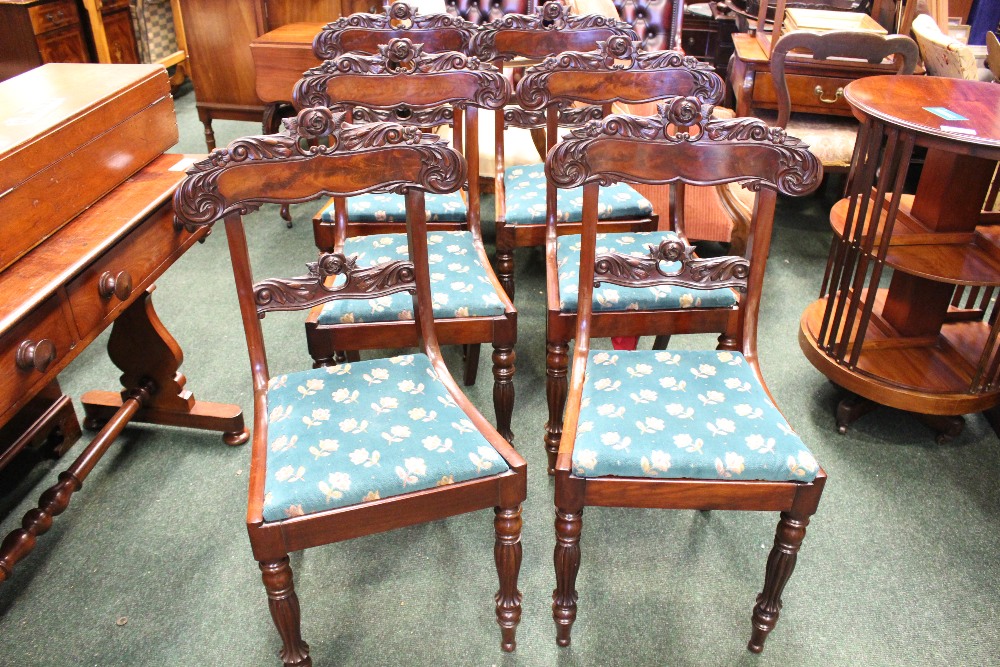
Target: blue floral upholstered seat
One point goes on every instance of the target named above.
(684, 414)
(405, 433)
(525, 200)
(448, 207)
(460, 286)
(615, 298)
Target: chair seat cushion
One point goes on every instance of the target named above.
(614, 298)
(348, 434)
(830, 138)
(525, 201)
(392, 208)
(687, 414)
(460, 286)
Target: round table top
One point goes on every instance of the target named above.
(903, 101)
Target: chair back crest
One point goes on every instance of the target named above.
(618, 71)
(317, 154)
(684, 144)
(551, 29)
(402, 73)
(364, 32)
(871, 47)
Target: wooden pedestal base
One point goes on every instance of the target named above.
(154, 392)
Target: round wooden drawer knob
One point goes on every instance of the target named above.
(35, 356)
(115, 285)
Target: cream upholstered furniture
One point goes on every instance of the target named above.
(687, 429)
(944, 55)
(422, 89)
(346, 451)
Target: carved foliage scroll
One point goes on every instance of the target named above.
(685, 121)
(628, 271)
(615, 55)
(401, 57)
(398, 17)
(553, 17)
(312, 289)
(311, 136)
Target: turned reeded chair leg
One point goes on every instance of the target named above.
(780, 564)
(503, 389)
(507, 554)
(556, 384)
(567, 562)
(284, 606)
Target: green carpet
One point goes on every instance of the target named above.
(899, 566)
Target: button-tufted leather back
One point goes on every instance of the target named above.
(657, 22)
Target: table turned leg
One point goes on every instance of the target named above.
(144, 350)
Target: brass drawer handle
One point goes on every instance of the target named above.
(35, 356)
(112, 285)
(836, 96)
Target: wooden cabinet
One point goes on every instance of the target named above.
(37, 32)
(219, 33)
(54, 31)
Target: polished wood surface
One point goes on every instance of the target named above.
(901, 102)
(358, 159)
(74, 124)
(926, 341)
(630, 148)
(280, 57)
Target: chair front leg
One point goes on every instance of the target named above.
(556, 385)
(503, 387)
(567, 562)
(780, 564)
(284, 606)
(507, 554)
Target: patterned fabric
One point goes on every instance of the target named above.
(392, 208)
(612, 297)
(830, 138)
(526, 199)
(348, 434)
(153, 23)
(460, 286)
(686, 414)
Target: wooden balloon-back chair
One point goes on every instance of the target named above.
(831, 138)
(320, 469)
(521, 40)
(618, 73)
(685, 429)
(423, 90)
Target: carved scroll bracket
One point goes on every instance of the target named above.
(624, 270)
(278, 294)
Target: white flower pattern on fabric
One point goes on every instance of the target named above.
(725, 427)
(347, 436)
